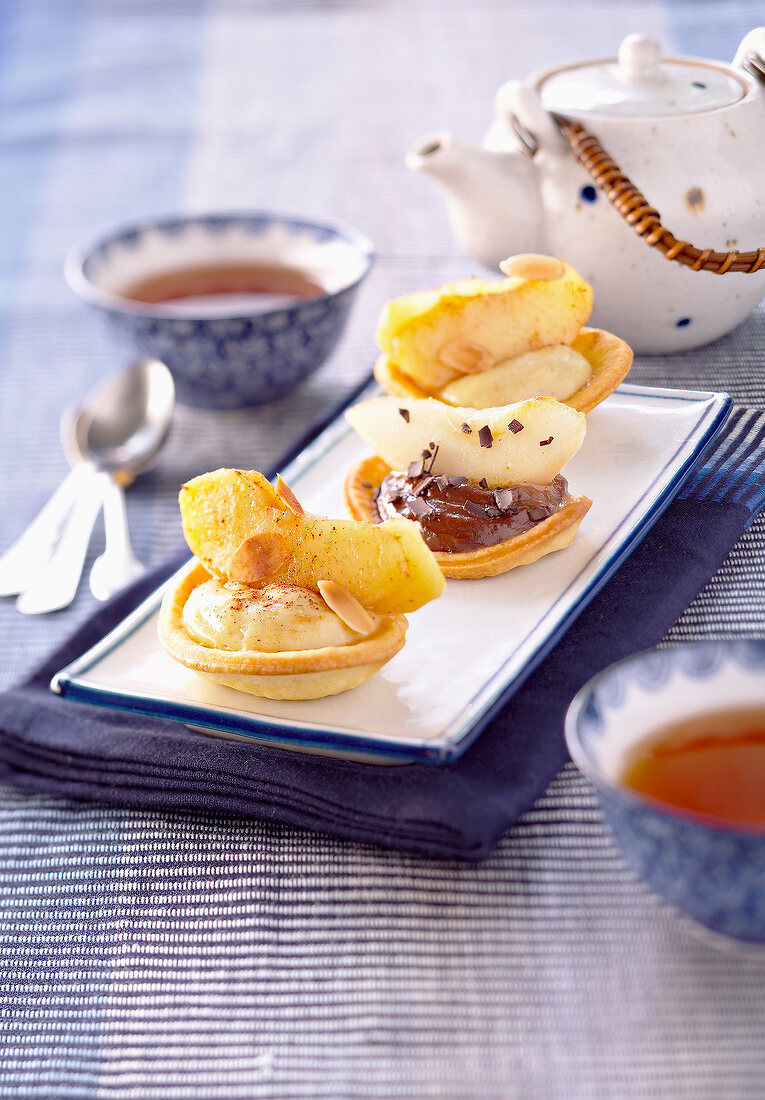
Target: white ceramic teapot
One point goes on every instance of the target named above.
(689, 133)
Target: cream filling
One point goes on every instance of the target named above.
(556, 371)
(275, 619)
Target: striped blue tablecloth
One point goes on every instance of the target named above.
(152, 955)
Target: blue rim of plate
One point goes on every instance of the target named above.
(454, 741)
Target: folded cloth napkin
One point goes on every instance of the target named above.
(459, 810)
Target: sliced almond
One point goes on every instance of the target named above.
(465, 357)
(346, 607)
(288, 496)
(258, 557)
(529, 266)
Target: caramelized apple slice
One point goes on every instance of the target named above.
(240, 528)
(437, 336)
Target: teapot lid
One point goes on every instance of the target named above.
(640, 83)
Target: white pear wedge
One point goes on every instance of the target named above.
(526, 442)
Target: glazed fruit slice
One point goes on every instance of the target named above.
(526, 442)
(241, 529)
(557, 371)
(473, 324)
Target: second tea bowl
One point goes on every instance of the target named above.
(712, 872)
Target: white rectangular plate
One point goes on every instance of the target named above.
(465, 653)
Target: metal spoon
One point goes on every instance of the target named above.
(117, 433)
(146, 402)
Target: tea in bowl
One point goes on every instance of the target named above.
(242, 306)
(674, 740)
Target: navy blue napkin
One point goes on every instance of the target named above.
(459, 810)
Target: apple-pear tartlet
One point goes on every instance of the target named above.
(484, 486)
(480, 343)
(283, 604)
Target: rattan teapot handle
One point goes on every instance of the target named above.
(644, 219)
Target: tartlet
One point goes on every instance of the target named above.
(285, 605)
(554, 533)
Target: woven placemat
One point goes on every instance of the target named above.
(187, 956)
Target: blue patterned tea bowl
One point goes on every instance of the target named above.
(224, 356)
(713, 873)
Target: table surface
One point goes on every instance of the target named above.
(157, 955)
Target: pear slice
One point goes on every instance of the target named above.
(526, 442)
(241, 529)
(557, 371)
(426, 333)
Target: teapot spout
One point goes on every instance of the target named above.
(492, 198)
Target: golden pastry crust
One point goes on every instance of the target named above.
(301, 674)
(395, 382)
(554, 533)
(609, 357)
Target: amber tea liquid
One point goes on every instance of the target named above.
(712, 766)
(211, 289)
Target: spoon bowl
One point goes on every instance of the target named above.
(122, 427)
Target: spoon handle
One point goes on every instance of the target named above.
(118, 565)
(21, 564)
(56, 584)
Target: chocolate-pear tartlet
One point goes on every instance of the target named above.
(484, 486)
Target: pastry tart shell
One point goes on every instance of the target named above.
(609, 357)
(554, 533)
(298, 674)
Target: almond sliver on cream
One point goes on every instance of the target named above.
(346, 607)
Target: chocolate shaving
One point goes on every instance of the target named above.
(433, 458)
(431, 445)
(442, 482)
(503, 498)
(423, 486)
(483, 483)
(485, 438)
(457, 481)
(415, 468)
(467, 429)
(515, 426)
(546, 442)
(419, 507)
(475, 509)
(425, 455)
(404, 413)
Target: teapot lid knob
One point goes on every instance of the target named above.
(640, 58)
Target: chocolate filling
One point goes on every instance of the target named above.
(456, 515)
